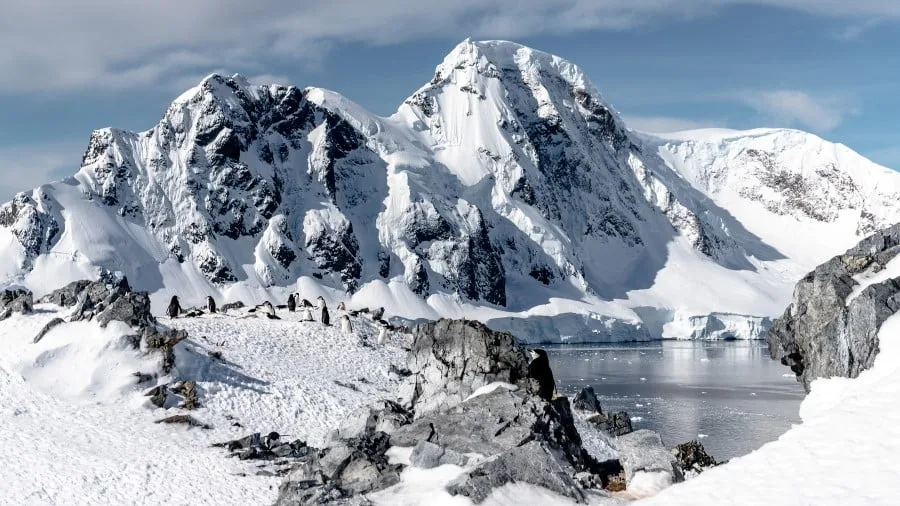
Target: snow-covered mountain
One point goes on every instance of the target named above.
(505, 189)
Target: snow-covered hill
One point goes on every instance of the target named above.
(505, 189)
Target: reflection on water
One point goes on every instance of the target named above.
(730, 395)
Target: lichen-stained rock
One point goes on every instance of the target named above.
(827, 331)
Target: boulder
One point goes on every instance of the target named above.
(533, 463)
(586, 400)
(231, 305)
(132, 308)
(450, 359)
(15, 300)
(822, 335)
(614, 424)
(692, 458)
(643, 451)
(381, 416)
(428, 455)
(341, 473)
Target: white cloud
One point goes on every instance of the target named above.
(667, 124)
(793, 107)
(28, 166)
(118, 44)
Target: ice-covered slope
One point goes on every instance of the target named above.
(505, 189)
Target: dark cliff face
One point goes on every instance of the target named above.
(821, 334)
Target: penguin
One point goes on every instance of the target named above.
(539, 369)
(292, 303)
(174, 308)
(378, 313)
(269, 310)
(325, 318)
(382, 335)
(306, 315)
(320, 301)
(271, 440)
(346, 328)
(341, 307)
(210, 304)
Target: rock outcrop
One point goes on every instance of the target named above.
(15, 300)
(692, 458)
(451, 359)
(467, 402)
(829, 330)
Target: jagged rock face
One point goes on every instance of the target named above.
(822, 333)
(15, 300)
(450, 359)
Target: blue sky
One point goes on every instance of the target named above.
(826, 66)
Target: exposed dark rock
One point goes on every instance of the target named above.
(163, 341)
(184, 420)
(428, 455)
(47, 328)
(341, 472)
(158, 395)
(533, 463)
(614, 424)
(232, 305)
(692, 458)
(15, 300)
(382, 416)
(70, 294)
(522, 437)
(586, 400)
(450, 359)
(820, 335)
(132, 308)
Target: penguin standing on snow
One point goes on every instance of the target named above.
(539, 369)
(292, 303)
(174, 308)
(306, 315)
(210, 304)
(342, 308)
(382, 335)
(323, 311)
(346, 328)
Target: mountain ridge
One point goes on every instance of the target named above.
(504, 189)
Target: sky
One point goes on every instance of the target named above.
(831, 67)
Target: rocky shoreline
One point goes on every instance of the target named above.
(469, 402)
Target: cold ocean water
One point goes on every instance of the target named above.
(728, 395)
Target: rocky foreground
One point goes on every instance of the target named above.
(466, 399)
(469, 401)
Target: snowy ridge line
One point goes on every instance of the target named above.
(505, 190)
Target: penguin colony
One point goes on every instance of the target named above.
(294, 304)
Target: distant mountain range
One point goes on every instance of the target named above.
(504, 190)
